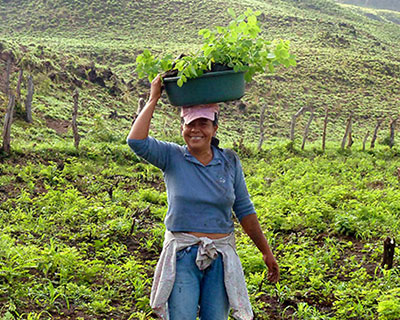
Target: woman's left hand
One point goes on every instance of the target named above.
(273, 268)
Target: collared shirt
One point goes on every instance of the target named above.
(164, 276)
(200, 197)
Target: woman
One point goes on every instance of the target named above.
(199, 271)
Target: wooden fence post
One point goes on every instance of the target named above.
(392, 130)
(324, 130)
(375, 135)
(18, 89)
(306, 130)
(141, 104)
(28, 102)
(347, 132)
(262, 114)
(74, 116)
(7, 77)
(293, 123)
(350, 140)
(7, 125)
(388, 253)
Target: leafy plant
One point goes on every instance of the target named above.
(237, 46)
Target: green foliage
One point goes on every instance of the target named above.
(237, 46)
(389, 305)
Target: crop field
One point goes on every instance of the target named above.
(81, 229)
(81, 232)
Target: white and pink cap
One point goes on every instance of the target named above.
(207, 111)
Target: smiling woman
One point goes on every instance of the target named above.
(199, 126)
(199, 270)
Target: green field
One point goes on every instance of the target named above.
(81, 230)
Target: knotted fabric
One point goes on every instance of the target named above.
(206, 254)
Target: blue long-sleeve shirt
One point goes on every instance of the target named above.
(200, 197)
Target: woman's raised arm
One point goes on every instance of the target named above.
(141, 126)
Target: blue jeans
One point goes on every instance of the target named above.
(198, 290)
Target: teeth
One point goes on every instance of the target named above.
(196, 138)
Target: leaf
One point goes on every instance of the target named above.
(180, 82)
(271, 68)
(231, 13)
(221, 29)
(207, 51)
(193, 71)
(247, 76)
(206, 34)
(202, 31)
(252, 20)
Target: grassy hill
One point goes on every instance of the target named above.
(346, 61)
(81, 229)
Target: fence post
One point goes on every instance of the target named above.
(347, 131)
(18, 89)
(365, 140)
(306, 130)
(293, 123)
(7, 125)
(392, 130)
(388, 253)
(375, 135)
(7, 77)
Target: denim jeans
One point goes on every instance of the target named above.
(195, 290)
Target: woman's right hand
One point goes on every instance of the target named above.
(155, 89)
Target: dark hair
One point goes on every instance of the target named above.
(215, 142)
(215, 122)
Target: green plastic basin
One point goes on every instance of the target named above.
(211, 87)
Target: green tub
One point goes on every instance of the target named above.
(211, 87)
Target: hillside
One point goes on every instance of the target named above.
(346, 61)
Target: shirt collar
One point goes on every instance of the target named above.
(216, 160)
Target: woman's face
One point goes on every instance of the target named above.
(198, 133)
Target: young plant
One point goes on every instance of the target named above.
(237, 46)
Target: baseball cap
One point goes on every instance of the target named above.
(192, 113)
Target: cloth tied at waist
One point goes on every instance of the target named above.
(206, 253)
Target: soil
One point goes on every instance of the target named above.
(60, 126)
